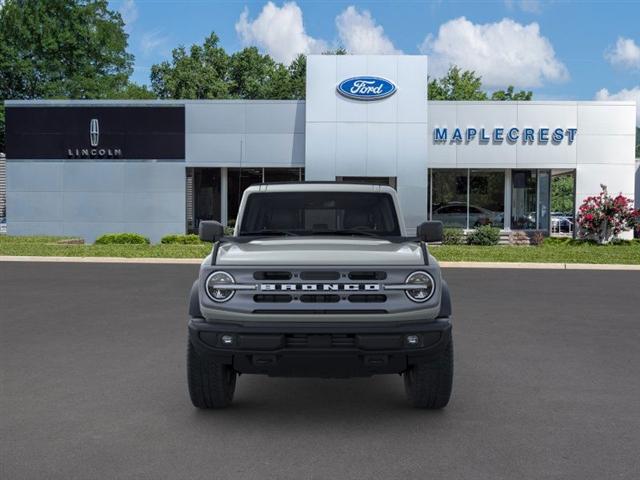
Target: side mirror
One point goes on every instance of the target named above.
(430, 231)
(210, 231)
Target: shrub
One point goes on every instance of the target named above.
(518, 238)
(190, 239)
(122, 239)
(452, 236)
(603, 217)
(485, 235)
(537, 239)
(228, 231)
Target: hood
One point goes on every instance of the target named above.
(320, 251)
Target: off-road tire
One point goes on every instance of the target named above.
(428, 384)
(211, 384)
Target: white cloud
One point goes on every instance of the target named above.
(626, 53)
(129, 12)
(528, 6)
(360, 34)
(151, 41)
(278, 31)
(632, 94)
(504, 53)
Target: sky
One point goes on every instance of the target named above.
(561, 50)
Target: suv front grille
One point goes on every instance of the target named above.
(272, 298)
(358, 298)
(319, 298)
(275, 275)
(320, 341)
(320, 291)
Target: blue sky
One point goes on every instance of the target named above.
(559, 49)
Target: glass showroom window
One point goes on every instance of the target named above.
(486, 198)
(530, 199)
(467, 198)
(449, 197)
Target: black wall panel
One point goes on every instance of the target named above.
(128, 132)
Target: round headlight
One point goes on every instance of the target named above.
(425, 286)
(215, 286)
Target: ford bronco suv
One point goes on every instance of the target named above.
(320, 279)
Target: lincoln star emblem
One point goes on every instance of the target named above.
(94, 132)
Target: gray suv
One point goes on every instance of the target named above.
(320, 280)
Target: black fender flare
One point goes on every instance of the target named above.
(194, 302)
(445, 301)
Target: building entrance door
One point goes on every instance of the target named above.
(203, 196)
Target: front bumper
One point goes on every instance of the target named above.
(319, 349)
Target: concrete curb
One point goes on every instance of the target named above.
(541, 266)
(197, 261)
(188, 261)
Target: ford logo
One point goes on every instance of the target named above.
(366, 88)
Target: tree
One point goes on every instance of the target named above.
(603, 217)
(199, 74)
(208, 72)
(298, 74)
(256, 76)
(510, 95)
(61, 49)
(457, 85)
(562, 193)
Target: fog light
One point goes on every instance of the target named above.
(413, 340)
(227, 339)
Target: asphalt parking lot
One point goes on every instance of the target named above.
(92, 358)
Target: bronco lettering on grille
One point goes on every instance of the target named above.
(323, 287)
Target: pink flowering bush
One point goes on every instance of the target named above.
(604, 217)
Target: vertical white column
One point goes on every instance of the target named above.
(224, 207)
(507, 199)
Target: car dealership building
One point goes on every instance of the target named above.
(84, 168)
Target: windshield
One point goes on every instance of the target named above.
(316, 213)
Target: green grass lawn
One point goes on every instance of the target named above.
(553, 252)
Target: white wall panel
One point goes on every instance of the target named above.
(272, 149)
(547, 115)
(606, 149)
(347, 109)
(320, 147)
(562, 155)
(321, 83)
(617, 178)
(385, 110)
(93, 207)
(218, 117)
(606, 118)
(412, 155)
(214, 149)
(25, 176)
(34, 206)
(92, 176)
(382, 150)
(492, 155)
(351, 149)
(411, 97)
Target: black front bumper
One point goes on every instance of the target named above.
(319, 350)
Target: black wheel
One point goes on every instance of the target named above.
(211, 384)
(428, 384)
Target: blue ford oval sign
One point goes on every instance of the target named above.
(366, 88)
